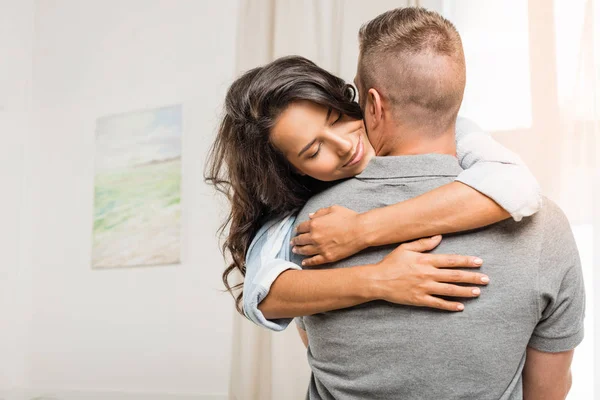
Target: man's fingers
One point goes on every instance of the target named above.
(445, 289)
(308, 250)
(434, 302)
(424, 244)
(457, 276)
(302, 240)
(311, 262)
(453, 261)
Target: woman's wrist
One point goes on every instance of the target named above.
(368, 286)
(368, 232)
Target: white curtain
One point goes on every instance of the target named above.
(533, 75)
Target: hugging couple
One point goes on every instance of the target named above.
(337, 212)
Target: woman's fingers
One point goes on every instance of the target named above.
(435, 302)
(303, 227)
(422, 245)
(446, 289)
(308, 250)
(452, 261)
(320, 212)
(457, 276)
(316, 260)
(302, 240)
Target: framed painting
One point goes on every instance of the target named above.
(137, 189)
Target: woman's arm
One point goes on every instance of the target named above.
(405, 276)
(496, 171)
(450, 208)
(336, 232)
(275, 290)
(494, 185)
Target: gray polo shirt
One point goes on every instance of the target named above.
(380, 350)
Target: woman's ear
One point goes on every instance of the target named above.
(374, 107)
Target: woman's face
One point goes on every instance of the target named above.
(322, 143)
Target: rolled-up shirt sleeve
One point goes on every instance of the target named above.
(268, 256)
(495, 171)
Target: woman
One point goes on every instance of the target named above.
(285, 137)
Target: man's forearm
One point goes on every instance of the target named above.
(296, 293)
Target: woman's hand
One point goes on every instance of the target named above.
(406, 276)
(331, 234)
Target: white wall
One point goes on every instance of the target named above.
(155, 330)
(16, 35)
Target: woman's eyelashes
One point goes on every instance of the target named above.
(316, 152)
(340, 115)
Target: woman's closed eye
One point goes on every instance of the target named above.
(316, 152)
(340, 115)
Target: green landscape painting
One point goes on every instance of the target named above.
(137, 189)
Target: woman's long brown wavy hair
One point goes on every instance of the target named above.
(244, 165)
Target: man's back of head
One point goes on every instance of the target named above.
(411, 61)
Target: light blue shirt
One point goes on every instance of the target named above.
(488, 167)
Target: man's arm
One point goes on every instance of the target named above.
(547, 376)
(303, 336)
(561, 308)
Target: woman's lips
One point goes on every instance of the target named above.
(357, 155)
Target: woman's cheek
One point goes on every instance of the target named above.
(324, 172)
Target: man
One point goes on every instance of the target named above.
(514, 342)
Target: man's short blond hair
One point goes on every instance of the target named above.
(414, 58)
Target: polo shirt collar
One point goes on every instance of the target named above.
(413, 166)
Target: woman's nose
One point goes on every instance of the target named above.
(343, 145)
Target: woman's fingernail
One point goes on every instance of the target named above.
(485, 279)
(476, 291)
(303, 263)
(460, 307)
(311, 214)
(478, 261)
(436, 237)
(294, 250)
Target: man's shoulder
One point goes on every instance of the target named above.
(329, 196)
(558, 240)
(552, 216)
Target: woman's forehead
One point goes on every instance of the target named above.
(297, 124)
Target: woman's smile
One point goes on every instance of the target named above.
(357, 155)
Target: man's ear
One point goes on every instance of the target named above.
(374, 107)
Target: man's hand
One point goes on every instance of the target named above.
(331, 234)
(406, 276)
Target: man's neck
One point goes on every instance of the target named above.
(403, 141)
